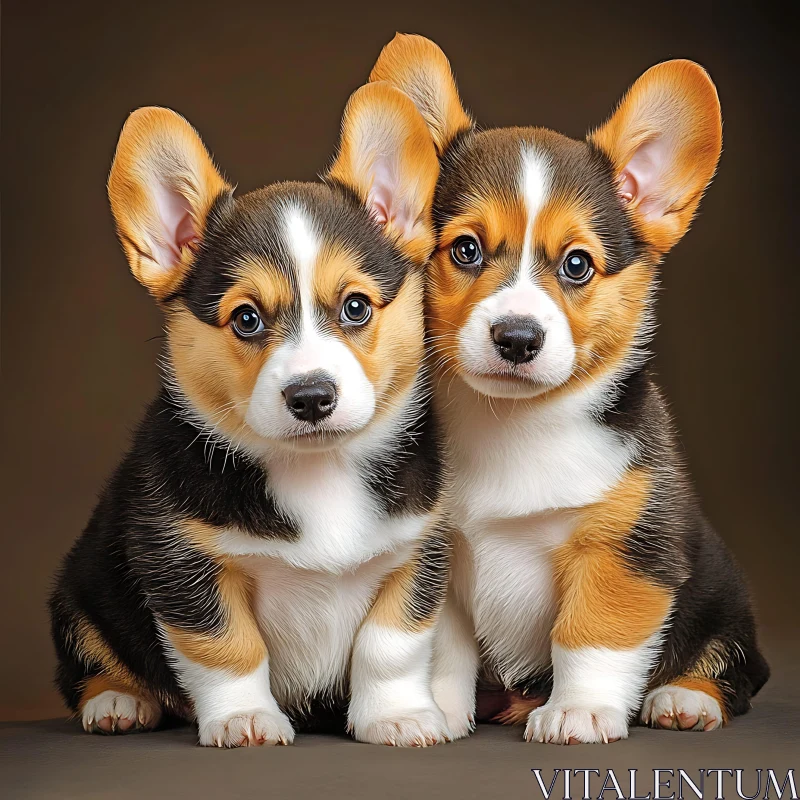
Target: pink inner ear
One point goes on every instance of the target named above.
(384, 201)
(177, 229)
(643, 178)
(186, 234)
(377, 205)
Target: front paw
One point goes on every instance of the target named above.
(458, 707)
(247, 729)
(118, 712)
(562, 723)
(460, 723)
(412, 727)
(678, 708)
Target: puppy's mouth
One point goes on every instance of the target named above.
(512, 382)
(511, 373)
(318, 435)
(317, 438)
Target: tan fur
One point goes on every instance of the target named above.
(390, 609)
(605, 314)
(217, 370)
(337, 275)
(394, 603)
(391, 351)
(604, 317)
(157, 146)
(200, 535)
(602, 602)
(239, 647)
(98, 684)
(419, 68)
(565, 224)
(710, 687)
(95, 652)
(260, 284)
(214, 368)
(490, 218)
(677, 100)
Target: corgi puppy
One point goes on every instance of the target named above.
(584, 567)
(274, 536)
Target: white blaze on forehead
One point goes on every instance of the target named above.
(311, 349)
(533, 186)
(523, 297)
(304, 247)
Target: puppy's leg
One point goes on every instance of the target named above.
(98, 687)
(455, 669)
(607, 631)
(225, 672)
(455, 651)
(391, 701)
(716, 686)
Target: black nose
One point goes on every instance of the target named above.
(518, 339)
(311, 398)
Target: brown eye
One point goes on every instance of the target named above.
(577, 267)
(356, 310)
(466, 252)
(246, 322)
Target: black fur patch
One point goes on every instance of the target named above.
(184, 474)
(430, 578)
(409, 478)
(253, 227)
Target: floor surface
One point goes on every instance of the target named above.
(55, 759)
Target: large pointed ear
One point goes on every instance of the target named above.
(418, 67)
(162, 185)
(386, 156)
(664, 141)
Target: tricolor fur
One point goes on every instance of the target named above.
(585, 567)
(274, 537)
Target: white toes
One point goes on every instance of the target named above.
(115, 712)
(458, 707)
(412, 728)
(677, 708)
(565, 724)
(247, 729)
(459, 724)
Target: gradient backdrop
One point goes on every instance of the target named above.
(265, 85)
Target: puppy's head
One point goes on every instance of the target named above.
(294, 313)
(548, 246)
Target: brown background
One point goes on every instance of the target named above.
(265, 85)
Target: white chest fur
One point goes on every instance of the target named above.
(518, 476)
(511, 591)
(340, 522)
(312, 593)
(512, 461)
(309, 620)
